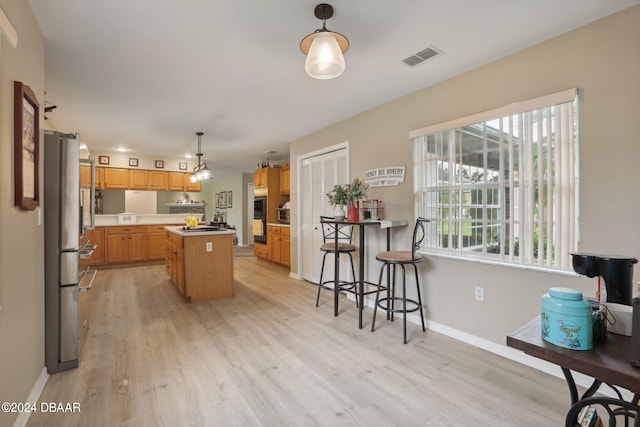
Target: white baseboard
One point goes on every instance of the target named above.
(34, 396)
(508, 353)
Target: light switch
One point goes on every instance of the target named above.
(209, 246)
(39, 215)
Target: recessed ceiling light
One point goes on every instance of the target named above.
(83, 146)
(188, 156)
(122, 149)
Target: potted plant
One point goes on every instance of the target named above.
(338, 199)
(356, 191)
(348, 195)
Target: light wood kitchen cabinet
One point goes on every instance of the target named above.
(96, 237)
(260, 250)
(260, 178)
(279, 244)
(174, 260)
(126, 244)
(158, 180)
(85, 175)
(116, 178)
(285, 180)
(138, 179)
(191, 186)
(99, 178)
(285, 248)
(155, 242)
(176, 181)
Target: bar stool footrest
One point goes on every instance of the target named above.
(342, 286)
(399, 301)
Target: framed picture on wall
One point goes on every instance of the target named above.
(133, 161)
(223, 200)
(159, 164)
(103, 160)
(217, 198)
(229, 199)
(26, 147)
(182, 166)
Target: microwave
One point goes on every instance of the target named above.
(283, 215)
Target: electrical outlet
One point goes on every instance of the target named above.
(209, 246)
(479, 294)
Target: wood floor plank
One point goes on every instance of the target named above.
(269, 357)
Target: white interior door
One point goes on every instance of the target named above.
(319, 173)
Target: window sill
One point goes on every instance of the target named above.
(502, 264)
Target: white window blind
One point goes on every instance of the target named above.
(502, 185)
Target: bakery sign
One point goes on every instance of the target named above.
(383, 177)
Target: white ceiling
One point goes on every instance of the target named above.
(148, 74)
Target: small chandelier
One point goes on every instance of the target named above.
(324, 48)
(200, 171)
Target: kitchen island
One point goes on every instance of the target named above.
(199, 262)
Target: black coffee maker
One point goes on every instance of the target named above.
(616, 271)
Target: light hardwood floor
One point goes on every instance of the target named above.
(269, 357)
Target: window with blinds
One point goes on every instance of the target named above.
(502, 185)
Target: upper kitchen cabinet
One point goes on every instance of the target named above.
(116, 178)
(260, 178)
(99, 178)
(158, 180)
(176, 181)
(85, 175)
(266, 181)
(285, 180)
(191, 186)
(138, 179)
(179, 181)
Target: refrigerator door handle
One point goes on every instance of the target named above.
(92, 197)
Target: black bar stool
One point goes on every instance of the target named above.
(401, 258)
(344, 234)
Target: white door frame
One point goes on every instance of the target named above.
(299, 160)
(250, 213)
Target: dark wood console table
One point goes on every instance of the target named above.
(608, 362)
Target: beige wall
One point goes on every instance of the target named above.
(21, 238)
(237, 214)
(603, 61)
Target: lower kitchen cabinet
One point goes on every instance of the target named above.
(174, 260)
(279, 244)
(155, 242)
(126, 244)
(260, 250)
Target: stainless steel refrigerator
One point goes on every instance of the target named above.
(63, 227)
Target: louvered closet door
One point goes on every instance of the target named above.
(319, 174)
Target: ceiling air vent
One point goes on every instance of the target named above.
(422, 56)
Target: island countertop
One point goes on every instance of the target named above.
(201, 230)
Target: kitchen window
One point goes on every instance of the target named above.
(502, 186)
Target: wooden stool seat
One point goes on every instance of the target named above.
(342, 247)
(398, 257)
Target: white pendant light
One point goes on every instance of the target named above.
(324, 48)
